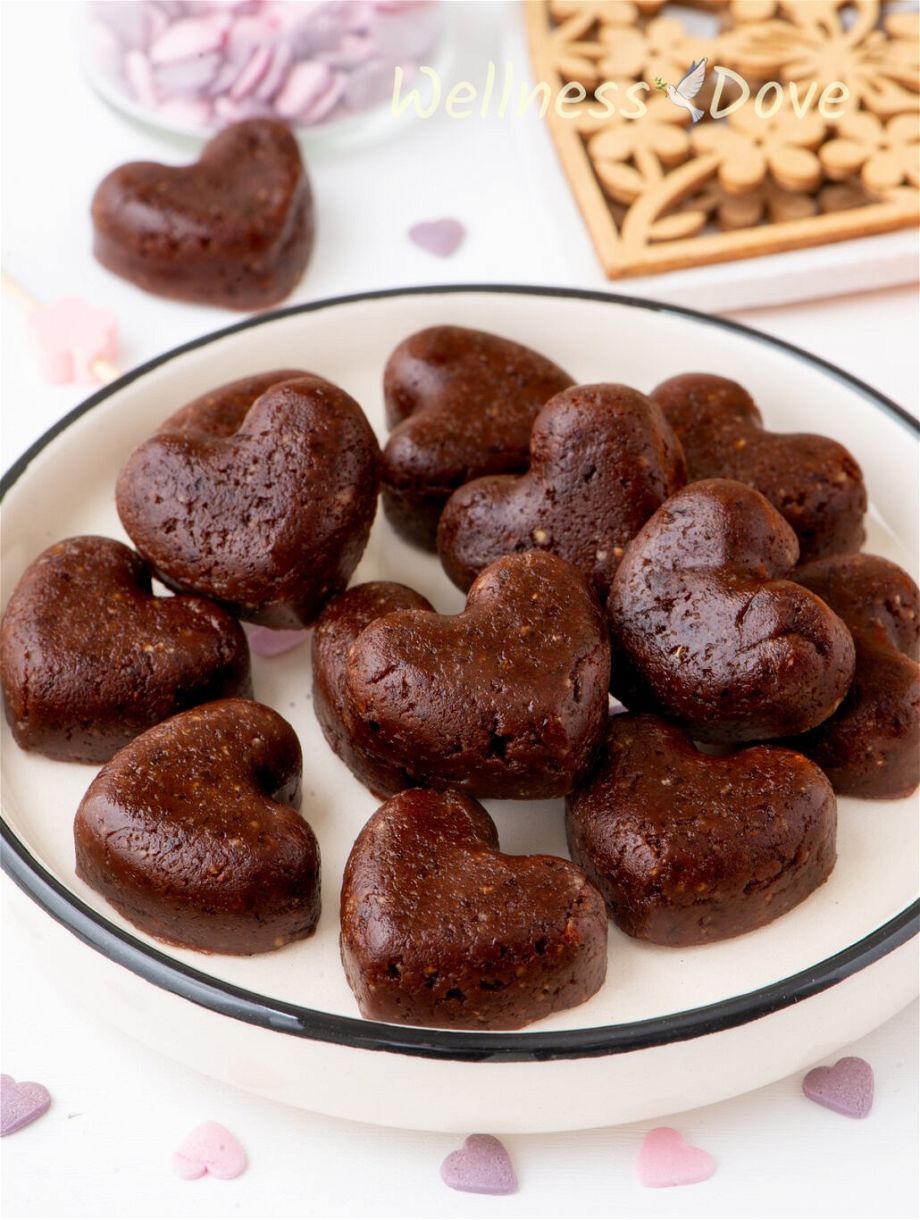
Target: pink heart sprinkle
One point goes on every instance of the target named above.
(211, 1149)
(848, 1087)
(266, 642)
(21, 1103)
(665, 1159)
(481, 1167)
(72, 335)
(440, 237)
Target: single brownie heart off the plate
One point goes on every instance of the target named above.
(270, 520)
(506, 699)
(705, 632)
(461, 403)
(89, 657)
(440, 928)
(602, 459)
(191, 832)
(338, 627)
(688, 848)
(869, 747)
(813, 481)
(233, 229)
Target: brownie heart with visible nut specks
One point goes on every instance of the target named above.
(813, 481)
(269, 518)
(89, 657)
(192, 833)
(688, 848)
(506, 699)
(441, 928)
(869, 746)
(602, 459)
(461, 403)
(233, 229)
(706, 631)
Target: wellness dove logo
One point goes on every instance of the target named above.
(688, 87)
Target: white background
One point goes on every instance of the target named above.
(119, 1110)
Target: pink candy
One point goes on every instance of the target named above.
(75, 340)
(665, 1159)
(482, 1167)
(209, 1149)
(199, 65)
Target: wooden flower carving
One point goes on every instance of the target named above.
(885, 154)
(658, 193)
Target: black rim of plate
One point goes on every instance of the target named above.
(224, 998)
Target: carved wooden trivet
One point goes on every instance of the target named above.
(659, 193)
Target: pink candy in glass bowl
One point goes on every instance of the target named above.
(192, 66)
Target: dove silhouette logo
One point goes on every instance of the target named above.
(686, 90)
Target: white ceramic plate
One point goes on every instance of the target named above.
(672, 1028)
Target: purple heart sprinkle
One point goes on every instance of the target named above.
(269, 642)
(481, 1167)
(21, 1103)
(440, 237)
(847, 1088)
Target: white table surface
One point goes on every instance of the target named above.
(119, 1110)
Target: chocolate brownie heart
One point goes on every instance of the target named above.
(191, 832)
(233, 229)
(687, 848)
(441, 928)
(89, 657)
(602, 459)
(506, 699)
(461, 403)
(270, 520)
(337, 628)
(705, 631)
(869, 747)
(813, 481)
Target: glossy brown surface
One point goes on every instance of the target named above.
(440, 928)
(602, 459)
(338, 627)
(706, 632)
(813, 481)
(506, 699)
(461, 403)
(233, 229)
(89, 657)
(870, 747)
(191, 832)
(271, 519)
(688, 848)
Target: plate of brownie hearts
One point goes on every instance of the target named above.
(471, 707)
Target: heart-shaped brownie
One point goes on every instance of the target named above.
(869, 747)
(461, 403)
(506, 699)
(441, 928)
(233, 229)
(705, 631)
(191, 832)
(270, 520)
(602, 459)
(89, 657)
(337, 628)
(688, 848)
(813, 481)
